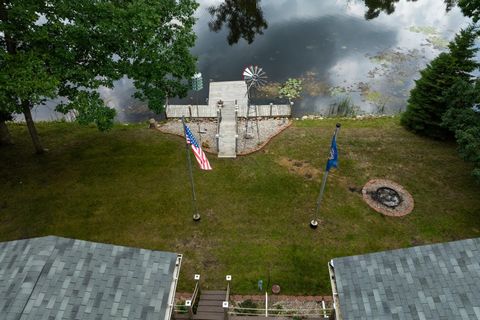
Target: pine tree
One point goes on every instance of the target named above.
(463, 118)
(428, 100)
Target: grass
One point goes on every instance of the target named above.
(130, 187)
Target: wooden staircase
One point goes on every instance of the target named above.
(210, 306)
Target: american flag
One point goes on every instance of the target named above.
(197, 151)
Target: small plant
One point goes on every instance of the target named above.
(343, 108)
(205, 144)
(277, 310)
(245, 307)
(182, 308)
(291, 89)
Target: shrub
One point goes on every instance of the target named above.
(343, 108)
(428, 100)
(245, 306)
(291, 89)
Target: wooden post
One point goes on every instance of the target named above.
(188, 304)
(266, 304)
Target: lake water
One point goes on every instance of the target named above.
(368, 52)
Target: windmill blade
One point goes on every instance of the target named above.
(247, 72)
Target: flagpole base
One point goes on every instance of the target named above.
(196, 217)
(313, 224)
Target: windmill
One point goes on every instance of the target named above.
(254, 77)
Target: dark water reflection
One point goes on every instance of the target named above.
(368, 51)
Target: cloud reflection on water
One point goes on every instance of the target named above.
(330, 39)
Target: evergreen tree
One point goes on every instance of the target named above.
(463, 118)
(470, 8)
(428, 100)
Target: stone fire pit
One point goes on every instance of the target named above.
(387, 197)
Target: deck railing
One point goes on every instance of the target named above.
(192, 303)
(284, 313)
(219, 120)
(269, 310)
(226, 302)
(236, 127)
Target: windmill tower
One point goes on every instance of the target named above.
(254, 77)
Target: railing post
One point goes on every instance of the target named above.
(236, 144)
(227, 297)
(225, 310)
(236, 117)
(271, 106)
(266, 304)
(188, 304)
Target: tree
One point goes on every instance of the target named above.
(244, 18)
(470, 8)
(463, 118)
(63, 48)
(428, 100)
(375, 7)
(5, 138)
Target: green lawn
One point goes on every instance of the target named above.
(130, 187)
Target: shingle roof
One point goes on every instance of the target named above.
(60, 278)
(439, 281)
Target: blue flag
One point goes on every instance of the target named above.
(333, 159)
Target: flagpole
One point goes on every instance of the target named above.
(196, 215)
(314, 221)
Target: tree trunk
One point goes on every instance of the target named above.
(31, 127)
(5, 137)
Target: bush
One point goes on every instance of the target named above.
(429, 99)
(343, 108)
(291, 89)
(245, 306)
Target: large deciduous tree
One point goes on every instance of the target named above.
(429, 99)
(64, 48)
(244, 18)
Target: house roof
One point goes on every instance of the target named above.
(439, 281)
(59, 278)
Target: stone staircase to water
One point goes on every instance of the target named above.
(227, 134)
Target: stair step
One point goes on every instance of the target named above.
(181, 316)
(209, 316)
(219, 297)
(215, 309)
(216, 303)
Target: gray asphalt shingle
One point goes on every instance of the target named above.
(59, 278)
(425, 282)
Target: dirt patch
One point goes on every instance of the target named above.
(301, 168)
